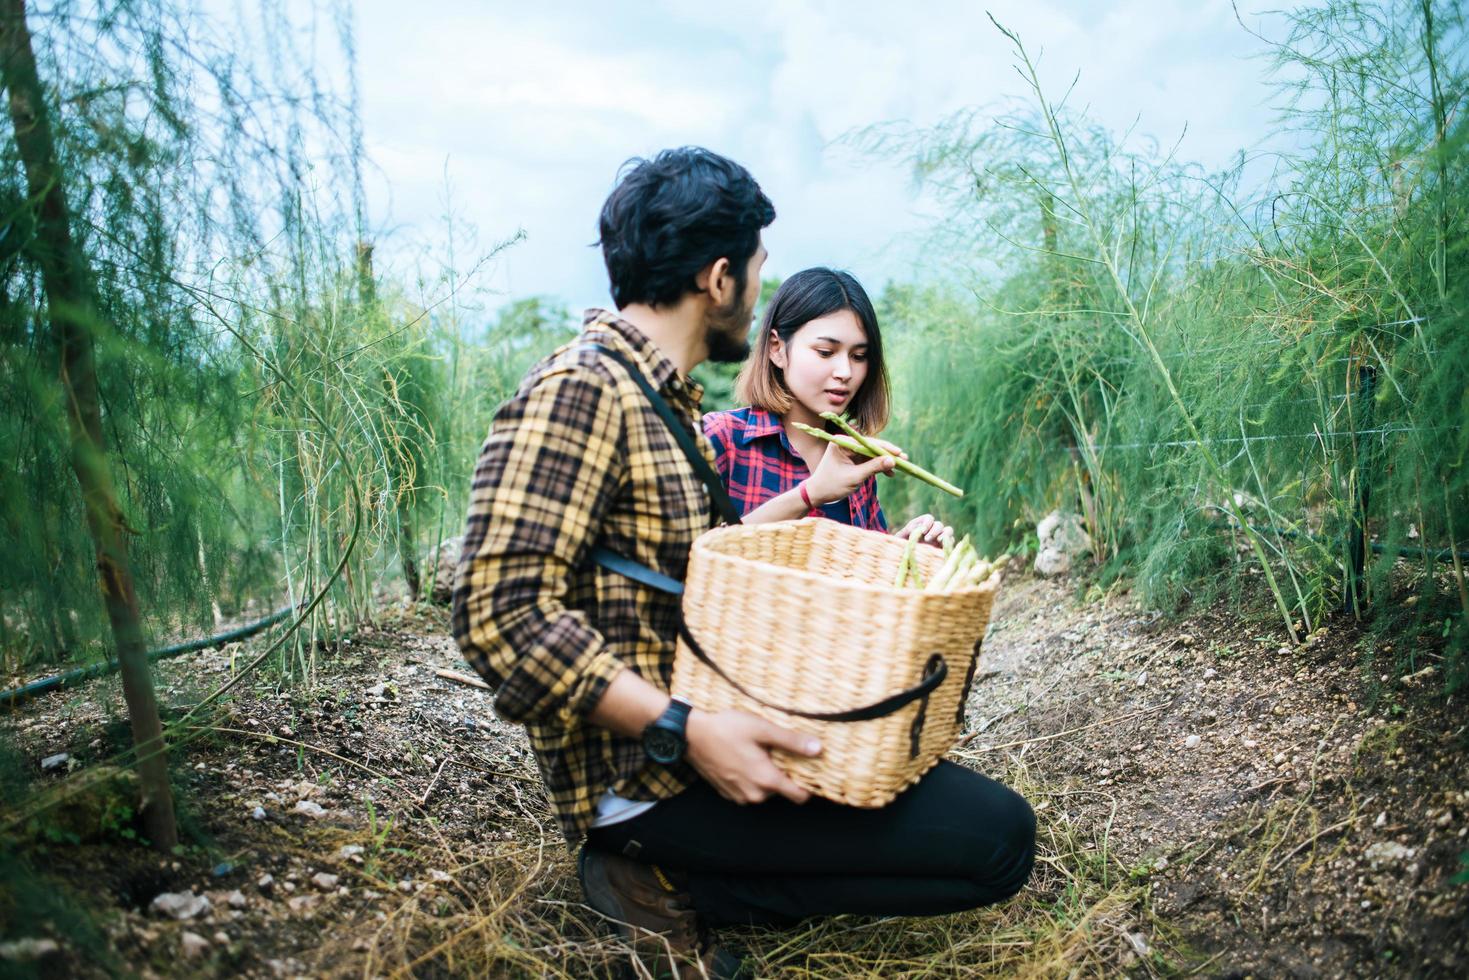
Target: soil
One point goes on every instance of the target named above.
(1288, 812)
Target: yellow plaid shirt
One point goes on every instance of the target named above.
(578, 458)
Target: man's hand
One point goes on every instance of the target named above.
(731, 749)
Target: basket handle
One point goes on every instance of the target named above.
(934, 673)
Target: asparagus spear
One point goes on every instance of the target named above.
(903, 566)
(868, 449)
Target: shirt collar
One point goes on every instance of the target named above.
(758, 424)
(654, 363)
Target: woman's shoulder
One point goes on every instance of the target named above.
(729, 417)
(727, 423)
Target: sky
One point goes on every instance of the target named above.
(518, 116)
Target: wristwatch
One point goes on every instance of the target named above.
(664, 740)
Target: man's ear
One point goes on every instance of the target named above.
(717, 280)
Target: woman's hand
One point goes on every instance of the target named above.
(926, 530)
(840, 472)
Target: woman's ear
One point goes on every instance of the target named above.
(777, 351)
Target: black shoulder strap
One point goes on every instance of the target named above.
(718, 496)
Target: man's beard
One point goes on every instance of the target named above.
(727, 334)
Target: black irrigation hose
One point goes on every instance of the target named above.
(18, 694)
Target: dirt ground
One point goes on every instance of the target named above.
(1243, 809)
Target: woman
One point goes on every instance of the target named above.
(819, 350)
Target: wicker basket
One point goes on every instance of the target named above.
(803, 615)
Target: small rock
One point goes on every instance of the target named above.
(1250, 743)
(1210, 673)
(325, 881)
(25, 950)
(349, 851)
(266, 883)
(309, 808)
(1161, 863)
(54, 761)
(258, 813)
(1381, 820)
(1192, 742)
(180, 905)
(193, 945)
(1051, 562)
(1388, 854)
(1142, 678)
(1279, 758)
(303, 903)
(1186, 640)
(221, 938)
(236, 899)
(223, 869)
(435, 874)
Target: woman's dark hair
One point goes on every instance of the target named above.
(810, 295)
(671, 216)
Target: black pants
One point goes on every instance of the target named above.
(956, 840)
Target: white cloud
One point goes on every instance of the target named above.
(536, 108)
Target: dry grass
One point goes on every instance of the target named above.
(512, 907)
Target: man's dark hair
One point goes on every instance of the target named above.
(671, 216)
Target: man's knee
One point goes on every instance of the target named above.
(1007, 855)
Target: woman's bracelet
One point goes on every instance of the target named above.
(805, 496)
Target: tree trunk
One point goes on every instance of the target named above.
(73, 310)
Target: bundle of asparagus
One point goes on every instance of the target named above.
(962, 568)
(856, 442)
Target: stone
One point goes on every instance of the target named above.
(266, 883)
(1064, 532)
(325, 880)
(310, 809)
(180, 905)
(236, 899)
(54, 761)
(446, 560)
(1388, 853)
(193, 945)
(1192, 742)
(1061, 538)
(25, 950)
(258, 813)
(1051, 562)
(349, 851)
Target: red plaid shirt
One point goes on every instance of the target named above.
(757, 463)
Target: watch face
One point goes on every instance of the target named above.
(662, 745)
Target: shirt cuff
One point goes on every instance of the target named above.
(595, 677)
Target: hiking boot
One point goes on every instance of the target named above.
(655, 914)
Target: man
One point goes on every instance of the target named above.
(687, 821)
